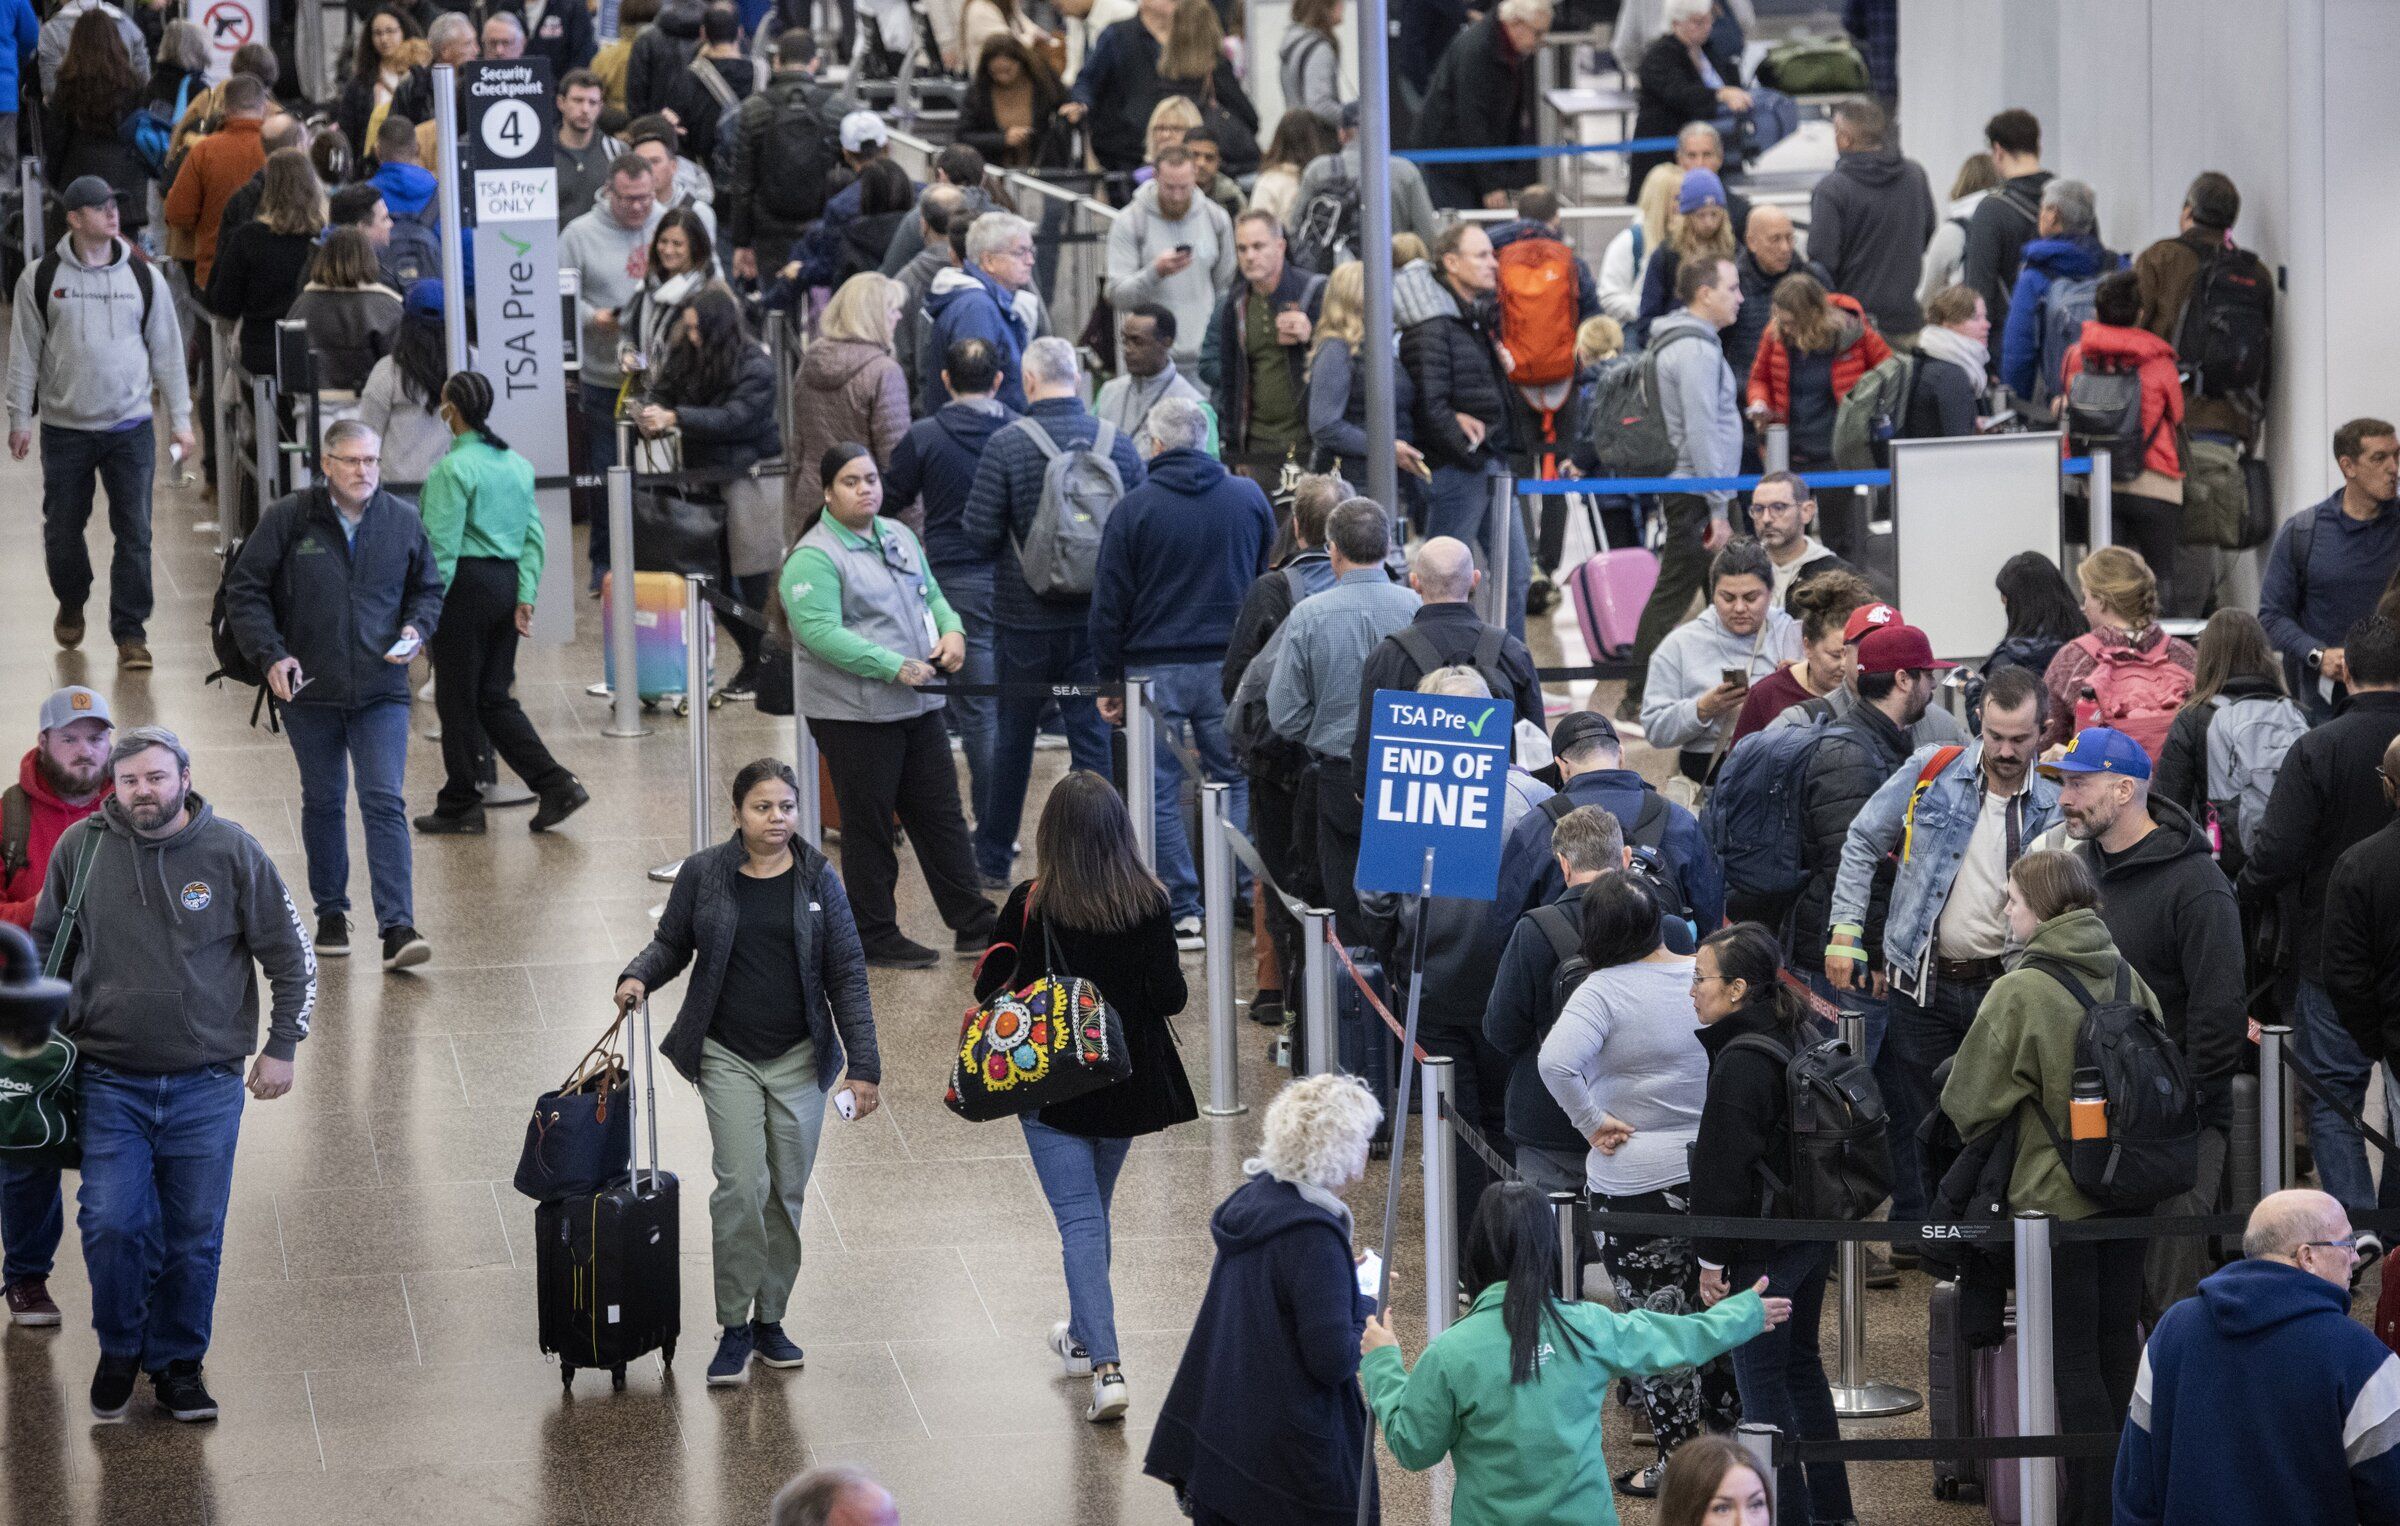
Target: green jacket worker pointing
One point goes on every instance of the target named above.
(871, 629)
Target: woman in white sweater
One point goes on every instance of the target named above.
(1947, 253)
(1625, 1063)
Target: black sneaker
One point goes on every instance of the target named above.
(558, 804)
(1266, 1009)
(898, 953)
(466, 823)
(181, 1393)
(333, 935)
(112, 1386)
(404, 947)
(743, 685)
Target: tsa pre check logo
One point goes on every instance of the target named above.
(197, 895)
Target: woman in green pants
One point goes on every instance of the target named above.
(775, 1009)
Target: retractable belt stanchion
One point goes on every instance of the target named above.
(1500, 528)
(263, 441)
(804, 767)
(695, 694)
(29, 202)
(1855, 1395)
(1216, 915)
(2274, 1111)
(220, 408)
(1316, 995)
(2103, 524)
(1570, 1279)
(624, 647)
(1141, 770)
(2037, 1392)
(1439, 1155)
(1775, 448)
(1757, 1440)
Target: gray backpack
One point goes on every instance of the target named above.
(2247, 741)
(1080, 485)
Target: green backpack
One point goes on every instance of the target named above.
(1809, 65)
(1874, 414)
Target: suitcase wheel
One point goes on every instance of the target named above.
(666, 1353)
(616, 1378)
(566, 1377)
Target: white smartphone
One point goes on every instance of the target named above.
(846, 1105)
(402, 649)
(1370, 1274)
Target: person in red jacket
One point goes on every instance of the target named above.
(63, 779)
(2148, 509)
(1815, 349)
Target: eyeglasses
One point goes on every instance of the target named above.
(355, 463)
(2347, 1245)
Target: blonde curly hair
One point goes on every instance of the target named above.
(1318, 1131)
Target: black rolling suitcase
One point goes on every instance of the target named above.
(1362, 1045)
(605, 1269)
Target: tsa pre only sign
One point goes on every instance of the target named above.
(1437, 777)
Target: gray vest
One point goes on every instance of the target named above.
(884, 601)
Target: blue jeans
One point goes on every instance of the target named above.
(331, 743)
(2322, 1045)
(157, 1169)
(1461, 503)
(969, 590)
(120, 460)
(1782, 1378)
(32, 1218)
(1079, 1176)
(1919, 1036)
(1034, 657)
(1190, 700)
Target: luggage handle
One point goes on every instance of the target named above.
(648, 1111)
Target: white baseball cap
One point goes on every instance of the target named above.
(861, 128)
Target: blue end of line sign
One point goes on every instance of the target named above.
(1437, 777)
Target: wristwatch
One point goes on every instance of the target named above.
(2316, 659)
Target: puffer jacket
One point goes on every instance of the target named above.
(2162, 401)
(1858, 349)
(662, 52)
(1449, 352)
(849, 391)
(2046, 260)
(730, 434)
(1844, 772)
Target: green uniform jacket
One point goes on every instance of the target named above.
(479, 502)
(2022, 1046)
(1529, 1454)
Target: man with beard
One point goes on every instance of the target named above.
(174, 906)
(62, 780)
(1783, 512)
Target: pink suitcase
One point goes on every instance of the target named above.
(1609, 592)
(1996, 1415)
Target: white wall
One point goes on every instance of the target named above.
(2293, 101)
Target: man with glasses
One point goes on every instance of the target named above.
(609, 247)
(334, 592)
(2270, 1339)
(978, 300)
(2329, 564)
(1782, 513)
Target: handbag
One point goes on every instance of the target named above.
(1047, 1041)
(41, 1104)
(676, 533)
(580, 1137)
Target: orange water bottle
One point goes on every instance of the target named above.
(2087, 1107)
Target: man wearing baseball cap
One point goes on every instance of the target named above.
(62, 779)
(94, 333)
(2173, 916)
(1937, 727)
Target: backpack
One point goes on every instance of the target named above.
(151, 136)
(1080, 486)
(16, 830)
(2248, 739)
(729, 112)
(1326, 232)
(1811, 65)
(45, 278)
(233, 664)
(1490, 642)
(1629, 430)
(1566, 946)
(1256, 748)
(413, 255)
(2152, 1150)
(2134, 691)
(1875, 414)
(1646, 835)
(2103, 411)
(1537, 310)
(1752, 820)
(1840, 1165)
(2059, 316)
(795, 157)
(2227, 323)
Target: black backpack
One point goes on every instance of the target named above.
(2222, 342)
(1646, 837)
(795, 158)
(1566, 943)
(2104, 412)
(1840, 1165)
(1326, 232)
(2152, 1151)
(1485, 659)
(233, 664)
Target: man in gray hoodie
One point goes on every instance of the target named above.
(1870, 220)
(166, 909)
(609, 248)
(93, 334)
(1172, 246)
(1696, 397)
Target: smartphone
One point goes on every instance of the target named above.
(1733, 678)
(1370, 1274)
(845, 1104)
(402, 649)
(1183, 249)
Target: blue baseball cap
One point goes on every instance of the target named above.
(424, 299)
(2101, 750)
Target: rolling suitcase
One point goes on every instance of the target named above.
(1362, 1045)
(658, 634)
(1996, 1415)
(1950, 1394)
(1609, 592)
(605, 1266)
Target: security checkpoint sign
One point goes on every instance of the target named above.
(226, 25)
(1437, 777)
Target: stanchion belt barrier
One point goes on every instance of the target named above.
(1473, 1139)
(1508, 153)
(1626, 487)
(1247, 851)
(781, 646)
(1943, 1448)
(2318, 1090)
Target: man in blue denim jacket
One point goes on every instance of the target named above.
(1955, 819)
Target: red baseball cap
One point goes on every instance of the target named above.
(1897, 649)
(1868, 617)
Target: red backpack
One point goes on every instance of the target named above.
(2135, 691)
(1537, 310)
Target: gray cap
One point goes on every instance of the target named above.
(75, 703)
(88, 191)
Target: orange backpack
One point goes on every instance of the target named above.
(1537, 310)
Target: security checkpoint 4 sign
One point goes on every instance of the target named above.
(1437, 777)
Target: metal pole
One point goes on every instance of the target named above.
(695, 699)
(779, 346)
(1775, 450)
(2103, 498)
(309, 46)
(2274, 1111)
(263, 441)
(1570, 1279)
(1855, 1395)
(1316, 995)
(624, 649)
(1866, 506)
(2037, 1392)
(1375, 234)
(1217, 907)
(1500, 526)
(29, 199)
(445, 169)
(804, 767)
(1757, 1439)
(1141, 770)
(220, 407)
(1439, 1157)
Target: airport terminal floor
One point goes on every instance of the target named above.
(374, 1348)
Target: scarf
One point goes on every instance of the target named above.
(1968, 355)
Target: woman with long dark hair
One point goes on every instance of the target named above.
(260, 265)
(776, 1009)
(1746, 1125)
(681, 257)
(96, 90)
(486, 531)
(1009, 105)
(1097, 914)
(2043, 613)
(870, 627)
(1514, 1391)
(1300, 140)
(352, 316)
(2237, 666)
(391, 57)
(402, 398)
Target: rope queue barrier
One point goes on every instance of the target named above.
(1510, 153)
(1627, 487)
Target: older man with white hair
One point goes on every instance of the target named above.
(1482, 96)
(2261, 1399)
(979, 300)
(1176, 560)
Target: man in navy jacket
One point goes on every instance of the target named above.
(1176, 560)
(977, 300)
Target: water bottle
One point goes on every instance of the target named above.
(2087, 1107)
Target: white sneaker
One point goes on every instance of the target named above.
(1109, 1400)
(1188, 935)
(1073, 1360)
